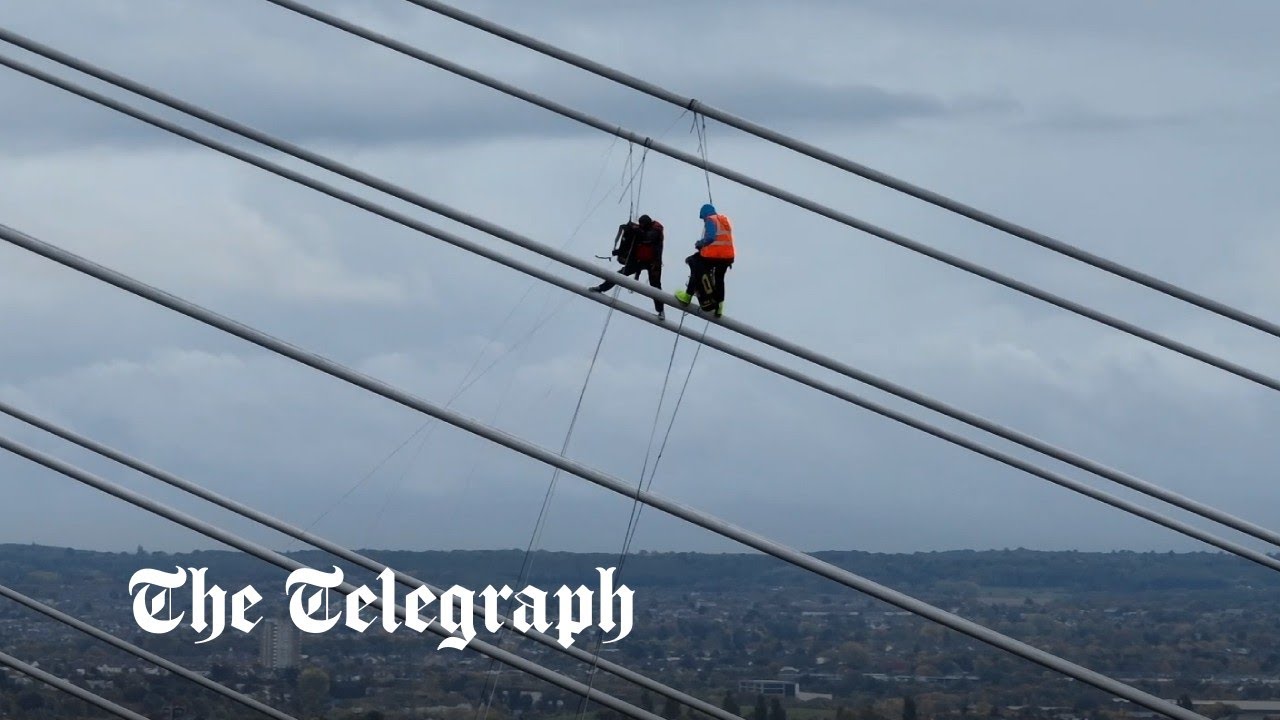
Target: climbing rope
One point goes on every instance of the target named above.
(394, 491)
(467, 381)
(642, 485)
(429, 425)
(634, 177)
(629, 175)
(633, 180)
(700, 126)
(526, 567)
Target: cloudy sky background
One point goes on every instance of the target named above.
(1143, 132)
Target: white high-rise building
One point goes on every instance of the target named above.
(280, 645)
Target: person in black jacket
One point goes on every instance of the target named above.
(640, 249)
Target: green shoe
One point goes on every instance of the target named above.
(720, 310)
(683, 297)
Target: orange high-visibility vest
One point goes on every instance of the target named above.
(722, 247)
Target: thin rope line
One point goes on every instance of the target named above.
(637, 507)
(464, 385)
(526, 567)
(700, 125)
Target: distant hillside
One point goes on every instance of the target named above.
(1073, 572)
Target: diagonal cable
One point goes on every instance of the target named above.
(335, 549)
(550, 457)
(955, 261)
(68, 687)
(1028, 441)
(287, 563)
(843, 163)
(138, 652)
(1130, 481)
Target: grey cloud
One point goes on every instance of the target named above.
(1082, 120)
(370, 114)
(312, 83)
(1218, 118)
(747, 445)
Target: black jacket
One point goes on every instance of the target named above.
(640, 244)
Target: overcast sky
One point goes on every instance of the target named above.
(1141, 131)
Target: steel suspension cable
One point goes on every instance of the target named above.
(970, 418)
(287, 563)
(68, 687)
(334, 549)
(464, 385)
(467, 380)
(176, 669)
(955, 261)
(609, 482)
(1130, 481)
(843, 163)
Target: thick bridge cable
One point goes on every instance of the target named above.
(340, 551)
(176, 669)
(784, 345)
(287, 563)
(850, 166)
(550, 457)
(1020, 438)
(68, 687)
(1025, 288)
(71, 260)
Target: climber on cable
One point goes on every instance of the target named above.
(639, 248)
(708, 265)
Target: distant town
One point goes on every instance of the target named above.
(742, 632)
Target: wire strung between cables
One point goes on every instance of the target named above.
(774, 191)
(467, 382)
(526, 567)
(634, 188)
(657, 414)
(628, 174)
(637, 506)
(627, 180)
(827, 157)
(700, 125)
(1130, 481)
(642, 486)
(698, 517)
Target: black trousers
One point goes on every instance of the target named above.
(633, 268)
(704, 272)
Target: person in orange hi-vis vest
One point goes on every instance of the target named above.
(708, 265)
